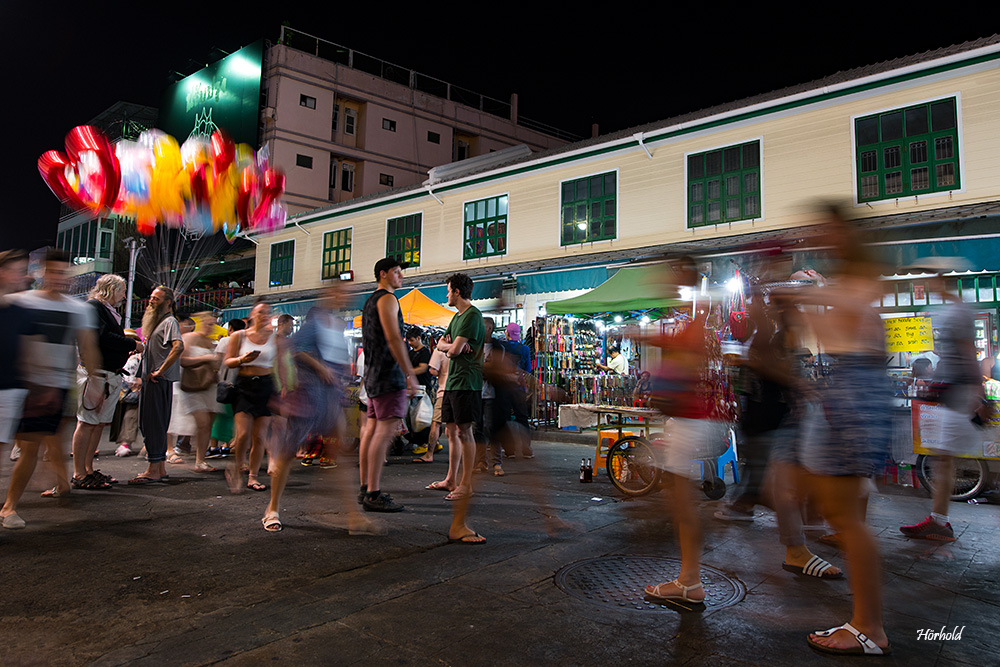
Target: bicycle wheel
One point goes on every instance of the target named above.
(970, 476)
(632, 467)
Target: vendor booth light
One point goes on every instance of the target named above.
(346, 276)
(618, 319)
(734, 284)
(685, 292)
(600, 324)
(644, 319)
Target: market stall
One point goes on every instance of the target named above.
(578, 333)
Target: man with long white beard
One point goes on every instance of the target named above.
(159, 372)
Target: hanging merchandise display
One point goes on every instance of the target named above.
(739, 321)
(567, 351)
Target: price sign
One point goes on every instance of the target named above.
(908, 334)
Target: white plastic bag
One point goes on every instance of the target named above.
(421, 412)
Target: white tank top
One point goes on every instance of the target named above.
(268, 351)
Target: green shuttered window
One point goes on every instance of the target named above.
(589, 209)
(724, 185)
(908, 151)
(402, 239)
(485, 228)
(282, 261)
(336, 253)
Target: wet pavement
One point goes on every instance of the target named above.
(184, 574)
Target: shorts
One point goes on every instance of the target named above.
(461, 407)
(47, 423)
(11, 402)
(684, 441)
(438, 403)
(388, 406)
(254, 394)
(112, 389)
(857, 407)
(952, 432)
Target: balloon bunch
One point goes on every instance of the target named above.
(205, 185)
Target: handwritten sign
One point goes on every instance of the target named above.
(908, 334)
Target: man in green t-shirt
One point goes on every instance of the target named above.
(462, 403)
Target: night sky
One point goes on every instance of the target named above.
(571, 67)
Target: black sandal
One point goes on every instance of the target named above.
(91, 483)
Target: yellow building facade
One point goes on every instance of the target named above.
(731, 173)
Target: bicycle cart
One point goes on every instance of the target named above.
(972, 472)
(626, 450)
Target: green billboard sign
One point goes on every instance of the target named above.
(224, 95)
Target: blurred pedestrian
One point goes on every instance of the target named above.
(17, 324)
(680, 394)
(199, 381)
(960, 383)
(856, 403)
(61, 327)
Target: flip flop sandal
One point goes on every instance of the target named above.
(272, 523)
(816, 567)
(204, 467)
(13, 522)
(452, 497)
(175, 460)
(654, 592)
(141, 480)
(865, 645)
(437, 486)
(54, 492)
(471, 539)
(256, 486)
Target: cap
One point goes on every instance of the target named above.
(388, 264)
(514, 331)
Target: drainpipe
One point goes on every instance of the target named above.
(638, 137)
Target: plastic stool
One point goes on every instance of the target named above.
(729, 457)
(607, 438)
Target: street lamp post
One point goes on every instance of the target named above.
(134, 246)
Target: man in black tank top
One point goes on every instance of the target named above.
(389, 379)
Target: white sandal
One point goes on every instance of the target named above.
(654, 592)
(865, 645)
(272, 523)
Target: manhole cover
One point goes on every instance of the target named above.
(619, 581)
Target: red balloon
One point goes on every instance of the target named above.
(52, 166)
(245, 194)
(223, 152)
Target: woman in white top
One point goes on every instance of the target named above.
(254, 352)
(199, 353)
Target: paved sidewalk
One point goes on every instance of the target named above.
(184, 574)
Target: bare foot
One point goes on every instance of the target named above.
(358, 524)
(443, 485)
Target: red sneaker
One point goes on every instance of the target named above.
(929, 529)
